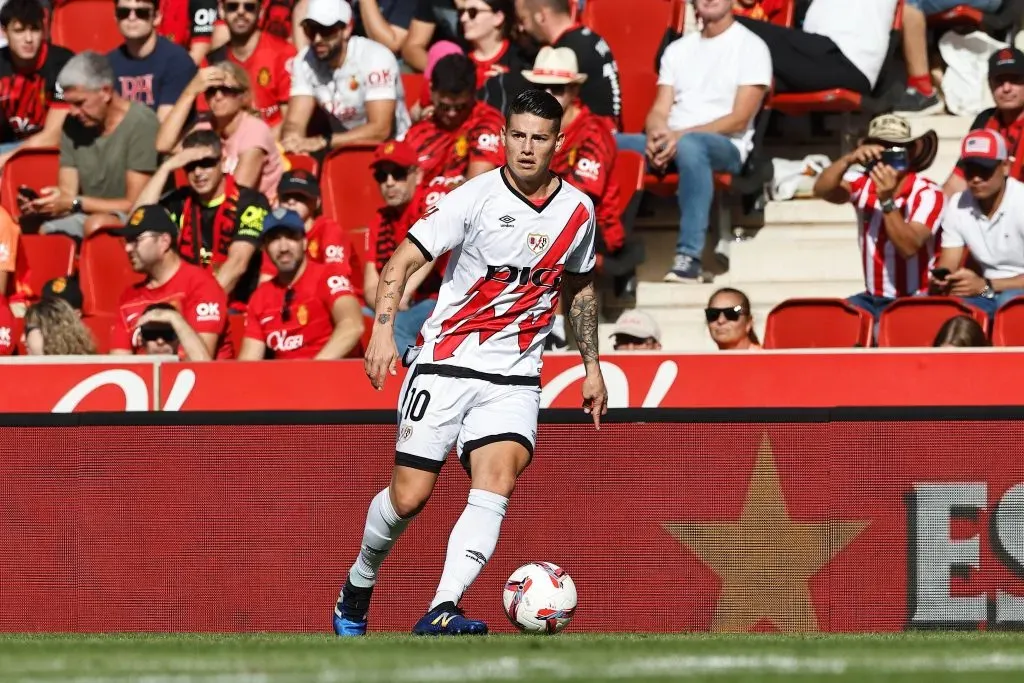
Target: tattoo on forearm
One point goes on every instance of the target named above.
(383, 318)
(388, 283)
(583, 318)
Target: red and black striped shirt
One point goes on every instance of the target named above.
(27, 95)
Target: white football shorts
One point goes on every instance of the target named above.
(443, 406)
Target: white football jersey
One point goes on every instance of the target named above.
(497, 300)
(370, 72)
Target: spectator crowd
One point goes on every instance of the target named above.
(201, 141)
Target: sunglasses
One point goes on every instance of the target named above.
(250, 7)
(473, 12)
(381, 175)
(972, 170)
(158, 334)
(142, 13)
(191, 166)
(223, 90)
(286, 309)
(312, 29)
(556, 90)
(733, 313)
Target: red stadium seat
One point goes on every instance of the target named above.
(412, 84)
(350, 196)
(629, 173)
(634, 30)
(48, 256)
(86, 25)
(1008, 328)
(104, 272)
(961, 16)
(817, 324)
(101, 326)
(35, 168)
(236, 330)
(303, 162)
(914, 321)
(18, 337)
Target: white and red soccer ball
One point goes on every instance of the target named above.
(539, 597)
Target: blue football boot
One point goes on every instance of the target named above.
(350, 612)
(448, 620)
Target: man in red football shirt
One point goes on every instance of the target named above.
(462, 137)
(150, 239)
(395, 171)
(326, 241)
(309, 310)
(265, 57)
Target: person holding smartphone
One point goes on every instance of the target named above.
(898, 210)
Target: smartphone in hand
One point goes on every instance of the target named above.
(28, 193)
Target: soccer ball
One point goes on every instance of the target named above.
(539, 597)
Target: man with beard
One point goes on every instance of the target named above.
(220, 223)
(265, 57)
(309, 310)
(151, 237)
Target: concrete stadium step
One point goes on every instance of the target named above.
(670, 295)
(811, 261)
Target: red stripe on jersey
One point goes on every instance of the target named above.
(478, 314)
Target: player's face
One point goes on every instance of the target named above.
(451, 110)
(146, 250)
(299, 203)
(727, 333)
(241, 16)
(530, 144)
(397, 184)
(286, 250)
(204, 175)
(1008, 91)
(712, 10)
(136, 19)
(326, 41)
(24, 41)
(89, 107)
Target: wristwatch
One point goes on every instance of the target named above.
(988, 292)
(888, 205)
(76, 205)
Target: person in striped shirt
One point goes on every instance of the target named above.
(898, 210)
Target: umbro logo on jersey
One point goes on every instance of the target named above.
(507, 221)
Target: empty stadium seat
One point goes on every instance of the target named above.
(85, 25)
(302, 162)
(914, 321)
(817, 323)
(629, 173)
(48, 256)
(412, 84)
(349, 194)
(101, 326)
(1008, 328)
(35, 168)
(104, 272)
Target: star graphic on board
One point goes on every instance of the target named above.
(765, 558)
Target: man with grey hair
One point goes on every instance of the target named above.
(107, 153)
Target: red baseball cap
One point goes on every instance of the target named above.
(395, 152)
(984, 147)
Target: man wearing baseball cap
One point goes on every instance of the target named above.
(988, 220)
(396, 171)
(636, 330)
(1006, 82)
(354, 80)
(151, 236)
(326, 241)
(308, 310)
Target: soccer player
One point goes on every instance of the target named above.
(520, 237)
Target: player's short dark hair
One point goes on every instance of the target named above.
(26, 12)
(453, 74)
(540, 103)
(202, 138)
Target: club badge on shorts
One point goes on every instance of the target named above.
(537, 242)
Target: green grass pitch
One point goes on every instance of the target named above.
(273, 658)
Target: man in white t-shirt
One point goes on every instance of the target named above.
(843, 44)
(988, 219)
(353, 79)
(710, 87)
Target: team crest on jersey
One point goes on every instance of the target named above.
(461, 147)
(353, 84)
(263, 78)
(404, 432)
(313, 248)
(537, 242)
(302, 315)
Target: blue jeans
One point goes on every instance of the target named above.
(408, 323)
(936, 6)
(698, 157)
(6, 147)
(870, 303)
(990, 306)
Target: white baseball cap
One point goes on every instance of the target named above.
(329, 12)
(637, 323)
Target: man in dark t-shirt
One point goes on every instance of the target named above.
(32, 110)
(189, 23)
(549, 22)
(434, 21)
(148, 68)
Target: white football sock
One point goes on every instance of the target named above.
(471, 544)
(383, 527)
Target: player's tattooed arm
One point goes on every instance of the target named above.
(405, 261)
(582, 314)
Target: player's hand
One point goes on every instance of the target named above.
(381, 357)
(595, 397)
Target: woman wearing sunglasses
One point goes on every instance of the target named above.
(729, 321)
(487, 28)
(251, 155)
